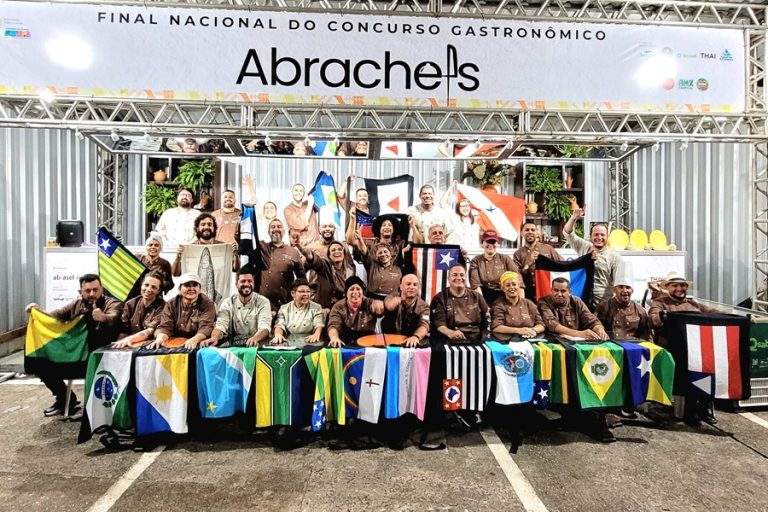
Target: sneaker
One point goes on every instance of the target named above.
(707, 417)
(56, 409)
(606, 436)
(630, 415)
(74, 407)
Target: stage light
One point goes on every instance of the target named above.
(624, 146)
(147, 138)
(79, 135)
(336, 141)
(47, 96)
(307, 141)
(267, 140)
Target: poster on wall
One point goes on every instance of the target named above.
(63, 268)
(271, 57)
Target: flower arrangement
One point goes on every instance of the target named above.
(487, 172)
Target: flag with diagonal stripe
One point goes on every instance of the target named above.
(119, 270)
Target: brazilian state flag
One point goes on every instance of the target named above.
(51, 341)
(598, 371)
(119, 270)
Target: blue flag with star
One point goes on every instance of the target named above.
(431, 264)
(638, 364)
(120, 271)
(224, 379)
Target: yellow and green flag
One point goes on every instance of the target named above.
(54, 340)
(599, 374)
(119, 269)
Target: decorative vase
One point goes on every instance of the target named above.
(532, 207)
(574, 203)
(160, 176)
(490, 186)
(569, 181)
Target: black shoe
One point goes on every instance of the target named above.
(606, 436)
(74, 407)
(707, 417)
(630, 415)
(613, 421)
(692, 421)
(56, 409)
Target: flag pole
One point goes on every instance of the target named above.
(348, 201)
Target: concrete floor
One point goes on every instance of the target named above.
(649, 468)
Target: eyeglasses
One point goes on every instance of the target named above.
(491, 241)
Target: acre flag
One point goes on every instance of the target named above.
(58, 342)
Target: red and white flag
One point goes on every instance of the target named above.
(497, 212)
(393, 195)
(713, 353)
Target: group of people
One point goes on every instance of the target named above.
(311, 291)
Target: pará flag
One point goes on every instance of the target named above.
(468, 375)
(224, 379)
(431, 264)
(599, 374)
(106, 382)
(119, 270)
(364, 224)
(323, 194)
(161, 393)
(278, 387)
(711, 352)
(394, 195)
(513, 363)
(56, 341)
(651, 371)
(578, 272)
(496, 212)
(405, 386)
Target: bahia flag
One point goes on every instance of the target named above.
(431, 264)
(161, 393)
(599, 374)
(405, 386)
(712, 354)
(278, 387)
(467, 377)
(651, 372)
(578, 272)
(323, 195)
(513, 363)
(496, 212)
(106, 382)
(364, 224)
(119, 270)
(394, 195)
(224, 379)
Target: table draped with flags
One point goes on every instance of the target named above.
(578, 272)
(169, 390)
(712, 354)
(495, 212)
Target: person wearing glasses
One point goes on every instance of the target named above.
(301, 321)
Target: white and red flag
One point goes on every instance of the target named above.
(496, 212)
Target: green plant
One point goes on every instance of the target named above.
(194, 173)
(543, 179)
(491, 172)
(557, 206)
(158, 198)
(578, 229)
(573, 151)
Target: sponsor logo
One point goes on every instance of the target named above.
(685, 84)
(702, 84)
(17, 33)
(726, 55)
(687, 55)
(708, 55)
(667, 51)
(668, 84)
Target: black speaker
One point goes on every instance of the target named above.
(69, 233)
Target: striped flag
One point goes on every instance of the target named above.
(467, 379)
(278, 387)
(578, 272)
(496, 212)
(405, 388)
(431, 264)
(364, 224)
(119, 270)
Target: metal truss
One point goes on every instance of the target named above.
(759, 158)
(678, 12)
(230, 119)
(111, 180)
(620, 174)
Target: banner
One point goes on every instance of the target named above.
(318, 58)
(213, 265)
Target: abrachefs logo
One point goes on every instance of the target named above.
(388, 72)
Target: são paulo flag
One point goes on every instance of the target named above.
(394, 195)
(496, 212)
(578, 272)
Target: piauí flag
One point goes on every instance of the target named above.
(106, 382)
(578, 272)
(599, 374)
(431, 264)
(248, 243)
(513, 363)
(352, 367)
(405, 386)
(364, 224)
(278, 387)
(372, 385)
(496, 212)
(120, 271)
(651, 372)
(393, 195)
(469, 367)
(161, 393)
(711, 353)
(56, 341)
(558, 390)
(324, 195)
(224, 379)
(542, 374)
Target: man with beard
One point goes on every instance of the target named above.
(243, 319)
(103, 316)
(407, 313)
(607, 260)
(190, 315)
(621, 316)
(228, 218)
(525, 257)
(141, 315)
(282, 266)
(176, 225)
(300, 217)
(429, 214)
(458, 315)
(330, 273)
(205, 229)
(566, 315)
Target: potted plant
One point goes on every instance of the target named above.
(573, 151)
(489, 173)
(557, 206)
(194, 173)
(158, 198)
